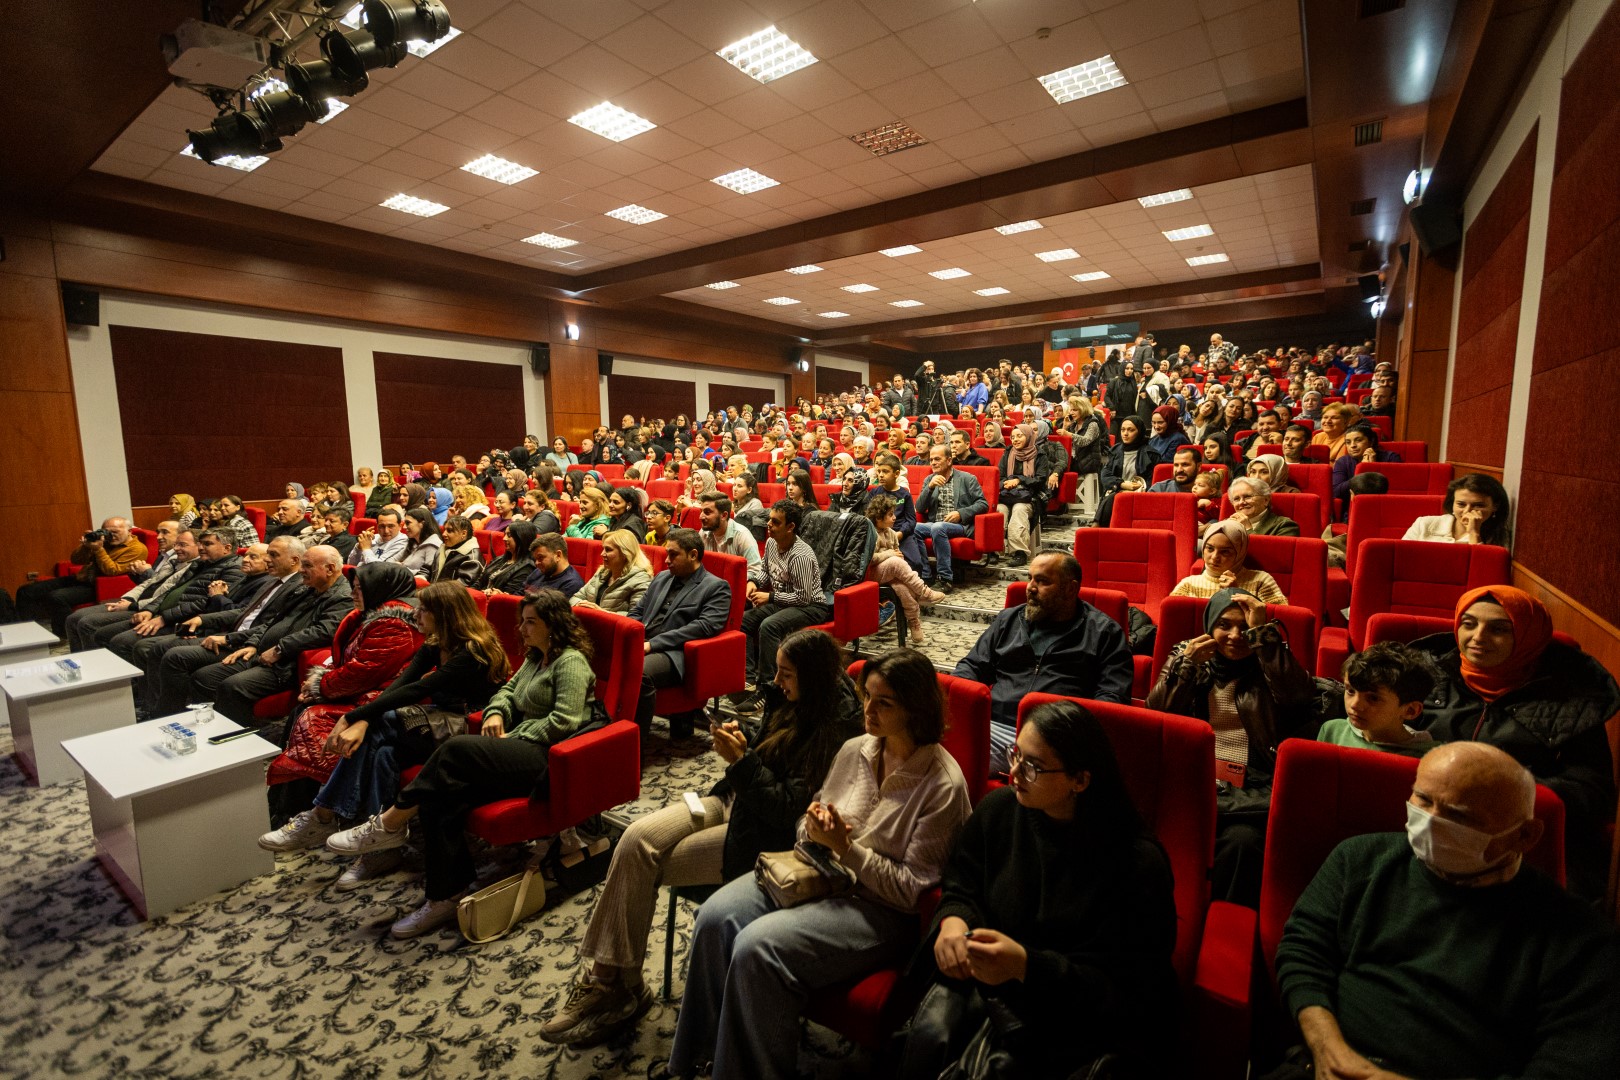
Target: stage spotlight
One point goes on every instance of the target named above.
(318, 80)
(358, 51)
(394, 22)
(286, 114)
(236, 134)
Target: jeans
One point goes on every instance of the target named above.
(940, 532)
(367, 781)
(753, 968)
(766, 625)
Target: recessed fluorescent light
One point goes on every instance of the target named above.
(861, 287)
(410, 204)
(905, 303)
(889, 138)
(835, 314)
(948, 273)
(611, 122)
(781, 301)
(499, 169)
(997, 291)
(745, 181)
(1057, 255)
(807, 268)
(718, 285)
(1095, 275)
(903, 249)
(769, 54)
(1191, 232)
(427, 48)
(636, 215)
(547, 240)
(1017, 227)
(1083, 80)
(230, 161)
(1163, 197)
(1206, 260)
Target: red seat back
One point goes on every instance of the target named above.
(584, 554)
(1141, 563)
(1314, 478)
(257, 516)
(1324, 794)
(1314, 452)
(1173, 512)
(1181, 618)
(1298, 563)
(1304, 507)
(1411, 478)
(502, 614)
(490, 544)
(1384, 517)
(1112, 603)
(1413, 450)
(992, 454)
(566, 510)
(664, 489)
(616, 659)
(1416, 578)
(733, 570)
(361, 524)
(657, 556)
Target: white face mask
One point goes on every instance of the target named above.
(1450, 848)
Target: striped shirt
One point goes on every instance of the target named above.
(794, 579)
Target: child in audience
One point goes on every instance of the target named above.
(892, 568)
(1207, 486)
(1385, 686)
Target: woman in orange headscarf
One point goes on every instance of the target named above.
(1505, 680)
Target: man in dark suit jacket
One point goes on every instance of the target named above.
(684, 603)
(267, 660)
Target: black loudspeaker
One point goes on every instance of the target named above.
(604, 363)
(1371, 287)
(81, 306)
(540, 359)
(1437, 226)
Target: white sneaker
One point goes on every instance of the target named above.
(373, 864)
(369, 835)
(430, 916)
(305, 830)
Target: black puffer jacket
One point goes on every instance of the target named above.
(843, 544)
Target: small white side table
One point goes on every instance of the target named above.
(45, 713)
(22, 643)
(170, 828)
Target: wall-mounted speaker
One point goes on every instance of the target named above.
(82, 307)
(1437, 226)
(1371, 287)
(604, 363)
(540, 359)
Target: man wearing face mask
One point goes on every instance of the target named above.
(1440, 954)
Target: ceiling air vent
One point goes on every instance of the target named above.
(1370, 132)
(1362, 207)
(1366, 9)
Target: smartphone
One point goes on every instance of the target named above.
(225, 737)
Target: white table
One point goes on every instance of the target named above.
(44, 714)
(22, 643)
(170, 828)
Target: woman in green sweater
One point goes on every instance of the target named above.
(547, 700)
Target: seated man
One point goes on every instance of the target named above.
(1053, 643)
(288, 520)
(268, 661)
(1182, 470)
(962, 452)
(722, 532)
(333, 532)
(384, 542)
(115, 551)
(216, 564)
(86, 626)
(684, 603)
(552, 570)
(1267, 430)
(951, 499)
(1439, 953)
(784, 594)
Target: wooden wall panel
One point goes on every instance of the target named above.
(651, 398)
(429, 408)
(722, 394)
(212, 415)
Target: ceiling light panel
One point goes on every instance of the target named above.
(858, 288)
(948, 273)
(428, 48)
(996, 291)
(1083, 80)
(721, 286)
(1057, 255)
(1191, 232)
(1165, 197)
(611, 122)
(890, 138)
(1207, 260)
(835, 314)
(410, 204)
(807, 268)
(781, 301)
(745, 181)
(905, 303)
(767, 55)
(1017, 227)
(547, 240)
(230, 161)
(903, 249)
(499, 170)
(1095, 275)
(636, 215)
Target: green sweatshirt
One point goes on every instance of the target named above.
(1434, 980)
(546, 703)
(1343, 733)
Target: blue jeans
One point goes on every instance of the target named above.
(753, 968)
(911, 549)
(940, 532)
(367, 781)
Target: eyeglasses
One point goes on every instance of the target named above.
(1027, 771)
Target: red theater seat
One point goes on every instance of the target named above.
(1411, 477)
(1411, 450)
(1170, 511)
(1181, 618)
(257, 516)
(714, 666)
(1314, 478)
(584, 555)
(1141, 563)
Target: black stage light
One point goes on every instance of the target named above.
(358, 51)
(236, 134)
(286, 114)
(318, 80)
(393, 22)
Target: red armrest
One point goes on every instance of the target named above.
(66, 569)
(1069, 488)
(714, 666)
(595, 771)
(112, 587)
(990, 532)
(1332, 650)
(855, 611)
(1141, 677)
(1222, 988)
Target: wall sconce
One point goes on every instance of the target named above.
(572, 332)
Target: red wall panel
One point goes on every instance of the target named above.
(1576, 372)
(429, 408)
(211, 415)
(1488, 316)
(650, 398)
(721, 395)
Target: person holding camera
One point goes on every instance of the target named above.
(105, 552)
(83, 623)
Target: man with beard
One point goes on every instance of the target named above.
(1053, 643)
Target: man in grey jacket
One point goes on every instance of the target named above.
(951, 499)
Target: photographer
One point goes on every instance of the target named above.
(87, 620)
(929, 397)
(107, 552)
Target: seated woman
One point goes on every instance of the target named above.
(442, 501)
(1361, 443)
(771, 771)
(383, 494)
(507, 572)
(411, 497)
(660, 519)
(1240, 676)
(1059, 905)
(623, 577)
(1337, 419)
(1218, 451)
(1225, 547)
(469, 503)
(295, 492)
(888, 811)
(229, 516)
(1026, 475)
(546, 700)
(1476, 512)
(1251, 508)
(365, 483)
(459, 665)
(1127, 466)
(1164, 431)
(624, 512)
(183, 509)
(535, 507)
(422, 542)
(747, 509)
(504, 513)
(1504, 680)
(560, 455)
(593, 514)
(850, 498)
(701, 482)
(891, 567)
(801, 490)
(1274, 471)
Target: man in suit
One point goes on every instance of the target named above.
(81, 625)
(216, 561)
(684, 603)
(267, 661)
(951, 499)
(202, 639)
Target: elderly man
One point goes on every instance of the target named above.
(1221, 350)
(215, 565)
(288, 520)
(84, 624)
(951, 499)
(115, 551)
(1053, 643)
(1251, 508)
(1439, 953)
(684, 603)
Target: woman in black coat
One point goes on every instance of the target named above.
(1127, 466)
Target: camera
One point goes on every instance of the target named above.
(95, 536)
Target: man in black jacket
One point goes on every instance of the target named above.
(288, 520)
(216, 562)
(684, 603)
(267, 662)
(900, 394)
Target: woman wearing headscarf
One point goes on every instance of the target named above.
(412, 497)
(841, 463)
(992, 436)
(1164, 431)
(442, 502)
(1506, 681)
(1361, 443)
(1225, 548)
(700, 483)
(295, 492)
(1274, 471)
(851, 496)
(1024, 474)
(1127, 466)
(507, 573)
(1241, 678)
(183, 508)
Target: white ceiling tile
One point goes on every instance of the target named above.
(1279, 56)
(599, 71)
(1184, 82)
(952, 36)
(1144, 20)
(1192, 111)
(898, 16)
(529, 35)
(1074, 42)
(1166, 55)
(595, 20)
(1019, 99)
(983, 71)
(758, 107)
(859, 113)
(880, 62)
(1253, 25)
